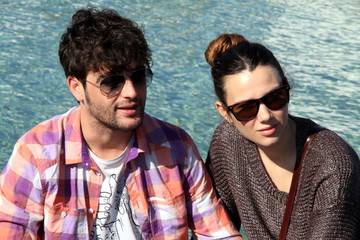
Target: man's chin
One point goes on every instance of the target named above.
(130, 124)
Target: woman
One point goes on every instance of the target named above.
(254, 152)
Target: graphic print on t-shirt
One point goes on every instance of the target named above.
(114, 219)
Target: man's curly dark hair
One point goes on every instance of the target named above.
(101, 40)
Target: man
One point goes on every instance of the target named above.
(105, 169)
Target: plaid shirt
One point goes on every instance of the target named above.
(50, 186)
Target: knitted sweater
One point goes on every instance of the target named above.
(327, 202)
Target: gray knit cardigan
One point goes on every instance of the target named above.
(327, 203)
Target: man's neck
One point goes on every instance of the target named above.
(104, 142)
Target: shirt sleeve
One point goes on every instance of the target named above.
(207, 216)
(21, 208)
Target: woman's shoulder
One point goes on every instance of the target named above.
(227, 131)
(228, 143)
(334, 147)
(326, 140)
(327, 148)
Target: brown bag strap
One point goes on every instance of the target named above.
(291, 197)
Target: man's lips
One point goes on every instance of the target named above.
(128, 109)
(129, 106)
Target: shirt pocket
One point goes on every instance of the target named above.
(64, 220)
(168, 216)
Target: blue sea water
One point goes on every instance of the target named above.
(317, 42)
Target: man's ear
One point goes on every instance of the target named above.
(223, 112)
(76, 88)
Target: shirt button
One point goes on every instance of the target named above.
(91, 210)
(63, 214)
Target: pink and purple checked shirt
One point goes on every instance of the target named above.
(50, 186)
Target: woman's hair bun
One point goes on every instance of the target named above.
(219, 45)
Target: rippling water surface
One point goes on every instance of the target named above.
(317, 43)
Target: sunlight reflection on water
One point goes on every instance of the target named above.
(317, 43)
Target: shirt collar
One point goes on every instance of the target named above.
(149, 136)
(73, 139)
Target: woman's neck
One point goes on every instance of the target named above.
(285, 147)
(279, 160)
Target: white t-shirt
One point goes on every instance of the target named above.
(115, 218)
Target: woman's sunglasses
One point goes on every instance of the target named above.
(274, 100)
(110, 86)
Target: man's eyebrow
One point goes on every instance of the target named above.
(110, 73)
(130, 70)
(102, 76)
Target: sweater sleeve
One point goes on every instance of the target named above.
(219, 172)
(224, 193)
(336, 211)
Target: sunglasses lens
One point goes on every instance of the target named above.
(274, 100)
(111, 85)
(142, 76)
(246, 111)
(277, 99)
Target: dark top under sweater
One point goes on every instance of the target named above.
(327, 203)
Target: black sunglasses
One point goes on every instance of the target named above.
(274, 100)
(111, 85)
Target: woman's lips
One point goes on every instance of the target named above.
(268, 131)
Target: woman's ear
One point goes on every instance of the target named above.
(223, 112)
(76, 88)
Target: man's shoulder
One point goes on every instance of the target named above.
(172, 143)
(151, 122)
(159, 131)
(42, 146)
(50, 130)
